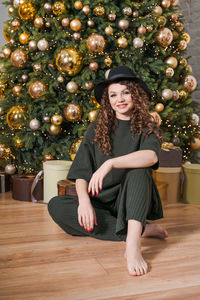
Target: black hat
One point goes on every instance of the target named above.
(118, 74)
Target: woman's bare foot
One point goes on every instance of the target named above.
(156, 231)
(135, 263)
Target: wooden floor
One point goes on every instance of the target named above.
(39, 261)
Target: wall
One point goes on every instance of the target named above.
(191, 12)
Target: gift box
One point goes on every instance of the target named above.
(191, 183)
(170, 157)
(4, 182)
(54, 171)
(22, 188)
(66, 187)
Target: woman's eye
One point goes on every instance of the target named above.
(113, 95)
(126, 93)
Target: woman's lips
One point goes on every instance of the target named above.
(122, 106)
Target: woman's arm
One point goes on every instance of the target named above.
(86, 212)
(138, 159)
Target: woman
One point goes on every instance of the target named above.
(112, 170)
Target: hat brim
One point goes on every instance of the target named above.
(99, 88)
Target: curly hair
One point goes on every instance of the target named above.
(140, 117)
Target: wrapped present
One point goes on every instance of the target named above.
(4, 182)
(66, 187)
(22, 188)
(170, 156)
(54, 171)
(191, 183)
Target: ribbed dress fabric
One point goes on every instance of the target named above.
(126, 193)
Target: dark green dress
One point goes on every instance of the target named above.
(126, 193)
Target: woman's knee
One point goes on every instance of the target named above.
(53, 205)
(137, 173)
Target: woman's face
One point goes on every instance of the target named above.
(120, 100)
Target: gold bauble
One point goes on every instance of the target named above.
(174, 17)
(99, 10)
(56, 119)
(161, 21)
(69, 61)
(36, 89)
(182, 45)
(7, 153)
(172, 62)
(19, 58)
(158, 10)
(159, 107)
(182, 94)
(149, 27)
(196, 144)
(93, 66)
(88, 85)
(15, 24)
(164, 37)
(92, 115)
(108, 61)
(47, 157)
(78, 5)
(188, 68)
(18, 143)
(55, 129)
(17, 90)
(186, 37)
(179, 26)
(122, 42)
(75, 25)
(156, 117)
(183, 61)
(24, 38)
(86, 9)
(58, 8)
(95, 103)
(108, 30)
(2, 150)
(10, 10)
(190, 83)
(6, 52)
(95, 43)
(16, 117)
(169, 72)
(5, 34)
(39, 22)
(141, 29)
(165, 3)
(174, 2)
(74, 147)
(72, 112)
(27, 10)
(2, 87)
(37, 68)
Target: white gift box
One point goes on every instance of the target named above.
(54, 170)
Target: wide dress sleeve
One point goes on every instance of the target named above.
(83, 165)
(151, 142)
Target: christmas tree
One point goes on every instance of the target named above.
(56, 51)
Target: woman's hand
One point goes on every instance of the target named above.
(96, 181)
(87, 216)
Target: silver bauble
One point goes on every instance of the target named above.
(1, 111)
(72, 86)
(34, 124)
(127, 11)
(76, 36)
(46, 119)
(16, 3)
(32, 45)
(167, 94)
(175, 95)
(43, 45)
(195, 118)
(90, 23)
(138, 43)
(24, 78)
(10, 169)
(89, 85)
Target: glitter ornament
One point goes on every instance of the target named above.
(182, 45)
(175, 95)
(74, 148)
(19, 58)
(72, 112)
(190, 83)
(99, 10)
(95, 43)
(36, 89)
(37, 68)
(169, 72)
(69, 61)
(127, 11)
(58, 8)
(16, 117)
(18, 143)
(164, 37)
(27, 10)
